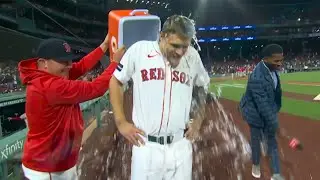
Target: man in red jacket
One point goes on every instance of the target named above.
(53, 95)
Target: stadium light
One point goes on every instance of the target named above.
(162, 3)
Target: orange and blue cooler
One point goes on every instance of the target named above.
(129, 26)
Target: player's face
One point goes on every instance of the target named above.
(275, 61)
(175, 47)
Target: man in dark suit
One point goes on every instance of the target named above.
(260, 106)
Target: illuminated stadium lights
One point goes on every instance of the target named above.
(225, 39)
(208, 40)
(217, 28)
(164, 4)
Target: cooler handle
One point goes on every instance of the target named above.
(132, 13)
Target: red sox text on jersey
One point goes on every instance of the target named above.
(158, 74)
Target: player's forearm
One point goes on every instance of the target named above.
(104, 46)
(86, 63)
(116, 99)
(91, 60)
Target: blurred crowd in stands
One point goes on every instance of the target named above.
(301, 62)
(93, 73)
(9, 79)
(10, 82)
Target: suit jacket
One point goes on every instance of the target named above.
(262, 101)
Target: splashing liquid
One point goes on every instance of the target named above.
(221, 152)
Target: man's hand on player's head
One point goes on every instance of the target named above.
(131, 133)
(193, 132)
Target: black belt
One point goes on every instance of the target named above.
(162, 139)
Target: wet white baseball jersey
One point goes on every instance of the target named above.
(161, 94)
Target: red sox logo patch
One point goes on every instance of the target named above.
(67, 47)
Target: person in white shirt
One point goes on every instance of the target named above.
(164, 74)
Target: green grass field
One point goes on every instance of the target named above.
(233, 90)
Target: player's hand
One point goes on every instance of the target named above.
(117, 56)
(131, 133)
(193, 132)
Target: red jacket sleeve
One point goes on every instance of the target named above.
(86, 63)
(63, 91)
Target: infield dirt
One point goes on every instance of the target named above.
(303, 97)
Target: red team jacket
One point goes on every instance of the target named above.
(54, 116)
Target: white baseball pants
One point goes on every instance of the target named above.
(70, 174)
(154, 161)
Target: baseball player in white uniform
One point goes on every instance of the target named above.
(164, 73)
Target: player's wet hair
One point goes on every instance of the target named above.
(180, 25)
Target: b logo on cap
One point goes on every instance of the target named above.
(67, 47)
